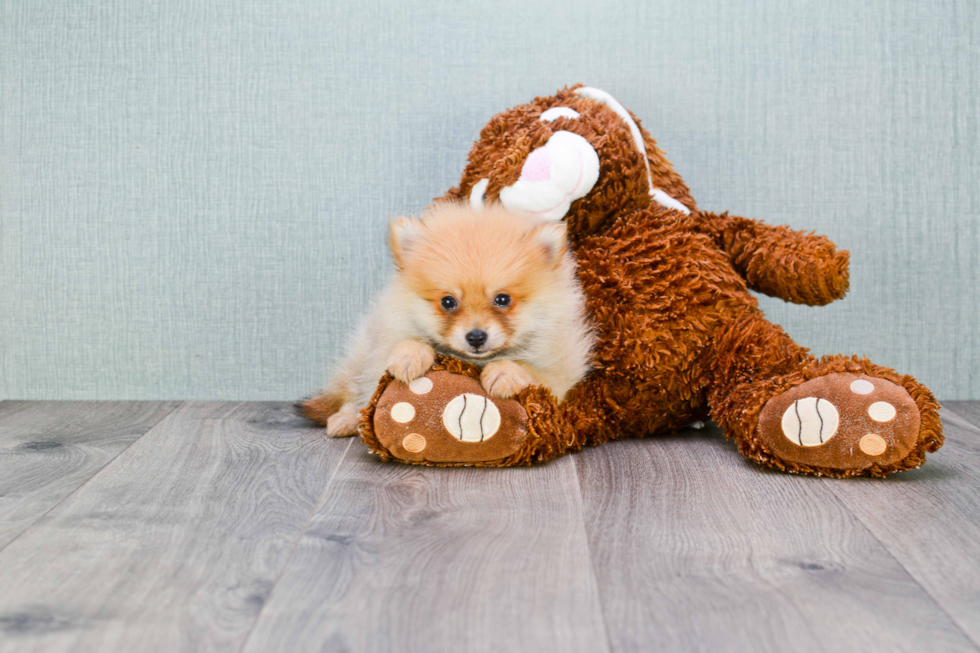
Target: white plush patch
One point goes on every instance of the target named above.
(810, 422)
(555, 175)
(403, 412)
(471, 418)
(666, 200)
(611, 102)
(601, 96)
(554, 113)
(476, 195)
(421, 385)
(881, 411)
(862, 387)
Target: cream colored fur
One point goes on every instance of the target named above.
(547, 339)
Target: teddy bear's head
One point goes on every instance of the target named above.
(577, 156)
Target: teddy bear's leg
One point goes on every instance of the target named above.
(836, 416)
(446, 418)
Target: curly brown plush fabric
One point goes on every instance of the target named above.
(679, 335)
(549, 435)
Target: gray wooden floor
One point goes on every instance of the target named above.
(139, 526)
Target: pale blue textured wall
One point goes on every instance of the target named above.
(193, 193)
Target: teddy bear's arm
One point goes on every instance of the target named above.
(795, 266)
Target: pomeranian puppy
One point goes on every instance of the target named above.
(495, 288)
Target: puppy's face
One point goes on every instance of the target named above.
(476, 276)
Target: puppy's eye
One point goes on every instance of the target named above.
(449, 303)
(502, 300)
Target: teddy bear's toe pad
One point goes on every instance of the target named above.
(841, 421)
(447, 418)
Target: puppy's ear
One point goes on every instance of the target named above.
(403, 234)
(553, 237)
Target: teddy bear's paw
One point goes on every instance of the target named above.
(448, 419)
(841, 421)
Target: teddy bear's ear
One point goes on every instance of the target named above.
(403, 233)
(553, 236)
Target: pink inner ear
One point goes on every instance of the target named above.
(538, 166)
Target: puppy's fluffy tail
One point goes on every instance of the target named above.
(319, 408)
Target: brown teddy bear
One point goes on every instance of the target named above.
(679, 335)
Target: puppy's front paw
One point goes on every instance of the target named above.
(410, 360)
(503, 379)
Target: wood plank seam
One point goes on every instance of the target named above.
(299, 538)
(911, 575)
(843, 502)
(588, 548)
(968, 425)
(149, 428)
(771, 572)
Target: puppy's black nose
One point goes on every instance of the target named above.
(476, 338)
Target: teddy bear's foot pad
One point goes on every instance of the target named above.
(841, 421)
(448, 418)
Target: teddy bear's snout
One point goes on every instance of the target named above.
(538, 166)
(553, 176)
